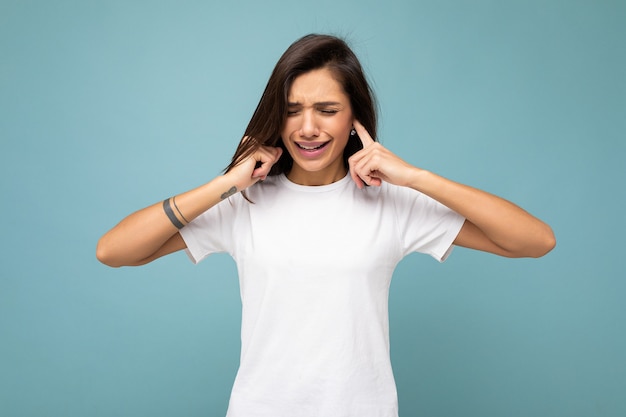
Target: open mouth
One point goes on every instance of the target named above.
(313, 146)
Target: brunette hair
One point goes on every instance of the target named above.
(308, 53)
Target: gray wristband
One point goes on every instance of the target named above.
(178, 210)
(170, 214)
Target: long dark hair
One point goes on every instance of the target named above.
(308, 53)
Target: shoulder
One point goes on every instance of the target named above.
(395, 193)
(406, 199)
(270, 186)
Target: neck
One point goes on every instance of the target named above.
(324, 177)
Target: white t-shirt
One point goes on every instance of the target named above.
(315, 265)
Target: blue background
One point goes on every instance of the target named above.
(107, 107)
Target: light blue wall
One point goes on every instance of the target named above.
(106, 107)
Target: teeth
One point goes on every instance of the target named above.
(310, 148)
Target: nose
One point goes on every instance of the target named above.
(309, 127)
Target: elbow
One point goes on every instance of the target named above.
(545, 243)
(540, 244)
(551, 242)
(110, 255)
(105, 255)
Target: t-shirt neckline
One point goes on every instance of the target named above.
(315, 188)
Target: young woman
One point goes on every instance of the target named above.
(317, 214)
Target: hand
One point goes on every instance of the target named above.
(374, 163)
(256, 167)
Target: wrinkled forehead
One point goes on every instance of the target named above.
(316, 86)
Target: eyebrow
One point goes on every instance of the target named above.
(319, 104)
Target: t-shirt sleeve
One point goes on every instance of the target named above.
(212, 231)
(425, 225)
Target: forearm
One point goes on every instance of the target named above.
(140, 235)
(152, 232)
(515, 231)
(493, 224)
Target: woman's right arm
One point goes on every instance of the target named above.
(149, 234)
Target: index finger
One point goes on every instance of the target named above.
(366, 139)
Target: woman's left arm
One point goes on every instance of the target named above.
(492, 224)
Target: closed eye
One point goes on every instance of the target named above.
(326, 108)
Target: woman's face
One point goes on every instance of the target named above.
(317, 128)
